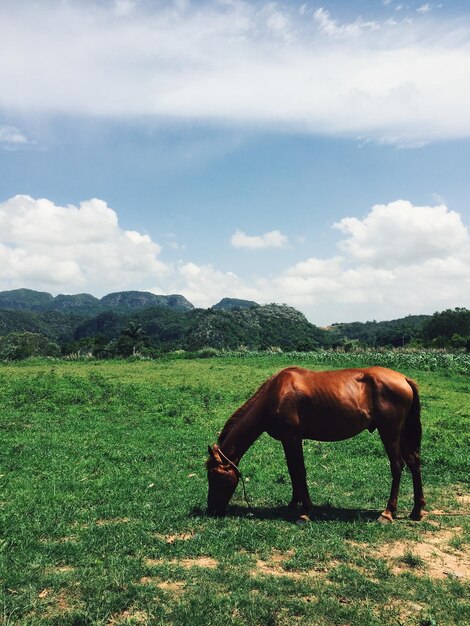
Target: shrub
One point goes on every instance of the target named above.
(17, 346)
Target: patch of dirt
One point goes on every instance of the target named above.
(275, 566)
(63, 602)
(80, 525)
(61, 569)
(202, 561)
(464, 500)
(174, 586)
(407, 611)
(438, 558)
(129, 615)
(117, 520)
(154, 562)
(266, 568)
(173, 538)
(443, 536)
(66, 539)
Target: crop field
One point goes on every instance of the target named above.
(103, 492)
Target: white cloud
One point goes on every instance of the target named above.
(124, 7)
(46, 246)
(10, 136)
(424, 8)
(171, 242)
(399, 259)
(333, 29)
(232, 62)
(272, 239)
(400, 234)
(203, 285)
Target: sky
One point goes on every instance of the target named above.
(308, 153)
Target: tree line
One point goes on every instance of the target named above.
(157, 330)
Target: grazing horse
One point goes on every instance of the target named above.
(297, 404)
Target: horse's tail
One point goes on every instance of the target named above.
(411, 433)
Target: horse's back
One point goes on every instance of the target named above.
(344, 382)
(338, 404)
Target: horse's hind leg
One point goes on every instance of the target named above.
(295, 462)
(392, 448)
(413, 461)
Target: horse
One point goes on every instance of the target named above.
(297, 404)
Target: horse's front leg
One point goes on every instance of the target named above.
(295, 462)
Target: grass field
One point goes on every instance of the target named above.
(103, 491)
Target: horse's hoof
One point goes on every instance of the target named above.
(303, 519)
(416, 516)
(385, 518)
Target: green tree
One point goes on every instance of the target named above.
(132, 340)
(448, 323)
(17, 346)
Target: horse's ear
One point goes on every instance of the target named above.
(214, 452)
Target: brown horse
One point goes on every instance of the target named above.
(298, 404)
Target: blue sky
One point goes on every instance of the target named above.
(313, 153)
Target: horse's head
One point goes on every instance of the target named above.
(223, 479)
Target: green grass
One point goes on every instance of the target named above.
(103, 490)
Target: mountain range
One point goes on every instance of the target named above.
(30, 300)
(112, 325)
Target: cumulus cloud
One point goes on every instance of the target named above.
(240, 62)
(70, 249)
(399, 234)
(203, 285)
(46, 246)
(272, 239)
(397, 259)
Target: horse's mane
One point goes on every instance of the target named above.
(242, 411)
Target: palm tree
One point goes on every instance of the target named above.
(136, 334)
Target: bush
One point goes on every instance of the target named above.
(205, 353)
(17, 346)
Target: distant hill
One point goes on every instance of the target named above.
(258, 327)
(396, 333)
(75, 302)
(25, 300)
(144, 299)
(234, 303)
(125, 321)
(86, 304)
(54, 325)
